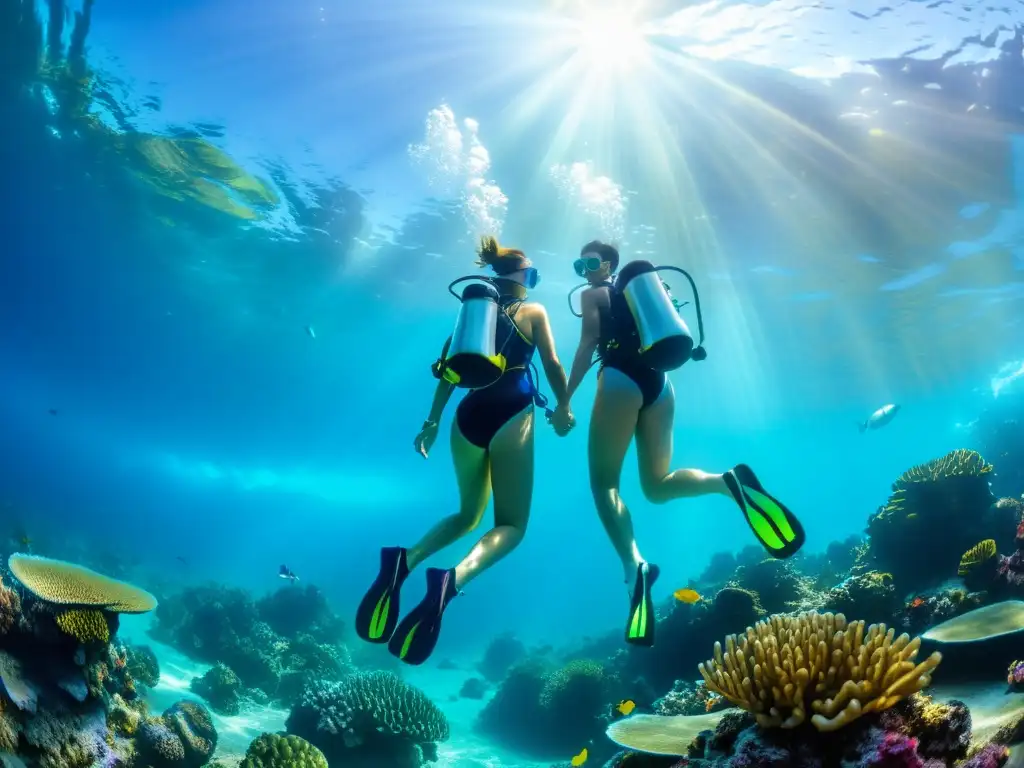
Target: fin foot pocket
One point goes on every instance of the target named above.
(778, 529)
(417, 634)
(640, 629)
(377, 615)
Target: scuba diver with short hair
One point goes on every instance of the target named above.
(632, 324)
(492, 438)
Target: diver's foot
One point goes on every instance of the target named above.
(417, 634)
(640, 629)
(377, 615)
(778, 529)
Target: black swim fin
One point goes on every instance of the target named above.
(377, 615)
(417, 634)
(640, 629)
(778, 529)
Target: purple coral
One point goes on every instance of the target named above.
(1015, 675)
(894, 751)
(992, 756)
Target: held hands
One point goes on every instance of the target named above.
(562, 420)
(425, 439)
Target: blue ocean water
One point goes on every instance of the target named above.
(215, 363)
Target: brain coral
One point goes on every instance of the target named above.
(84, 626)
(273, 751)
(787, 665)
(55, 581)
(373, 702)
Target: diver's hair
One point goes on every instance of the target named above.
(607, 252)
(503, 261)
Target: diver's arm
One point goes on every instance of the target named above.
(443, 392)
(590, 333)
(553, 370)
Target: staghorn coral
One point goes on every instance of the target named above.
(62, 583)
(786, 666)
(86, 626)
(375, 713)
(273, 751)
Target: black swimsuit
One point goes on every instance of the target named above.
(650, 382)
(484, 411)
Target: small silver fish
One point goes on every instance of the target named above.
(880, 418)
(310, 331)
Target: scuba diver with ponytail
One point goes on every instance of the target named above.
(633, 326)
(490, 353)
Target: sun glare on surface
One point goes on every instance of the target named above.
(610, 39)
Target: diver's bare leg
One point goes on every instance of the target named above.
(512, 459)
(654, 454)
(472, 471)
(612, 424)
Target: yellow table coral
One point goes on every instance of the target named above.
(786, 666)
(62, 583)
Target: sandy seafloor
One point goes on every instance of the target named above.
(991, 707)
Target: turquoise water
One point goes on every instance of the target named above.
(215, 353)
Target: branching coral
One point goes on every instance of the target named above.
(86, 626)
(786, 666)
(62, 583)
(273, 751)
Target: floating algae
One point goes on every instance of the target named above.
(980, 624)
(661, 734)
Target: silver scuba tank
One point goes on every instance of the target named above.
(665, 341)
(471, 360)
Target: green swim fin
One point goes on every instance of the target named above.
(640, 629)
(778, 530)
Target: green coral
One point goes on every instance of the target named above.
(871, 595)
(273, 751)
(778, 586)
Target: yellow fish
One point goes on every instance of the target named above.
(625, 707)
(579, 759)
(688, 596)
(912, 516)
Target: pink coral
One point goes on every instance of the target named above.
(10, 609)
(894, 751)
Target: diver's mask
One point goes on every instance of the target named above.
(527, 277)
(585, 264)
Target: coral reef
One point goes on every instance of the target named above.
(871, 595)
(913, 734)
(502, 653)
(950, 494)
(141, 663)
(220, 687)
(217, 624)
(787, 666)
(778, 585)
(689, 698)
(370, 718)
(293, 611)
(271, 750)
